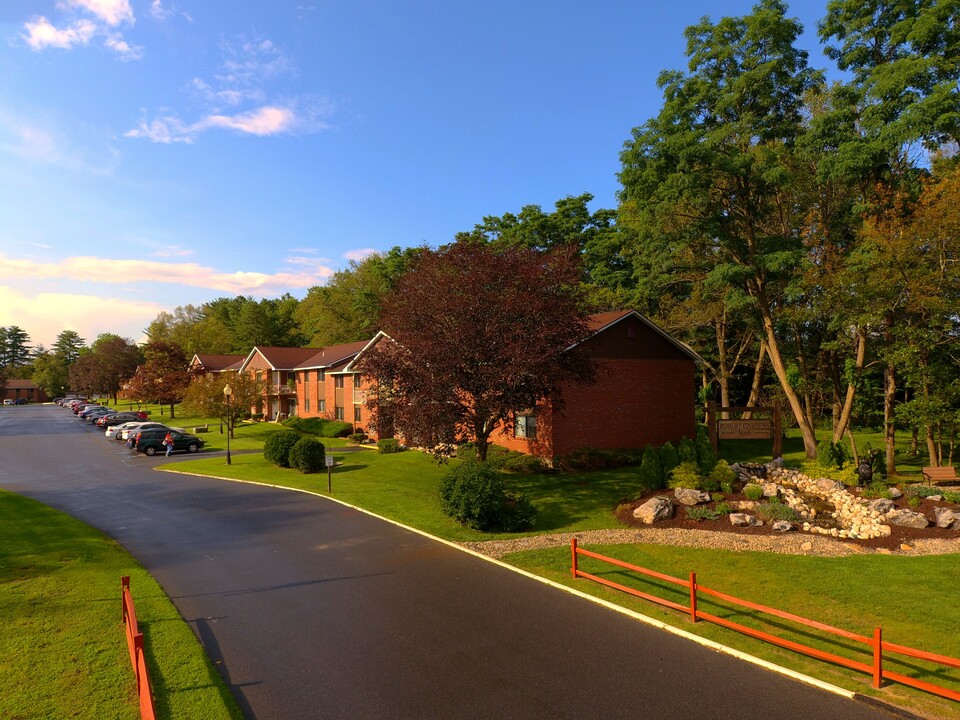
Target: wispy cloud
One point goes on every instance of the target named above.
(359, 255)
(79, 29)
(105, 270)
(41, 140)
(172, 251)
(237, 97)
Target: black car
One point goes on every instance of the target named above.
(150, 442)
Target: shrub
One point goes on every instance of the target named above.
(336, 428)
(651, 476)
(705, 457)
(524, 464)
(668, 458)
(753, 492)
(276, 448)
(726, 488)
(687, 451)
(848, 475)
(876, 489)
(388, 445)
(308, 455)
(833, 454)
(685, 475)
(319, 426)
(703, 512)
(589, 459)
(357, 437)
(474, 494)
(776, 511)
(722, 473)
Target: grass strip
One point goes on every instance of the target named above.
(62, 647)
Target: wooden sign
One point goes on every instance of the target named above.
(744, 429)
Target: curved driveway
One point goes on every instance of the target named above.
(313, 610)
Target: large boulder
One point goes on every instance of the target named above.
(945, 516)
(881, 505)
(657, 508)
(744, 520)
(908, 518)
(782, 526)
(688, 496)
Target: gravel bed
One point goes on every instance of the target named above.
(788, 544)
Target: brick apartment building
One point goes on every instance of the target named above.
(645, 389)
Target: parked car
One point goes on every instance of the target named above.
(132, 432)
(93, 410)
(150, 442)
(7, 401)
(120, 418)
(115, 431)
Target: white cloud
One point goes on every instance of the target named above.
(112, 12)
(42, 34)
(123, 48)
(38, 139)
(268, 120)
(105, 270)
(359, 255)
(158, 12)
(46, 315)
(173, 251)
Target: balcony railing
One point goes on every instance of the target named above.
(282, 390)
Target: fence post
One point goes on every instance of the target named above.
(877, 657)
(573, 557)
(137, 654)
(124, 585)
(693, 597)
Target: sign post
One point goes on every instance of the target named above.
(329, 460)
(770, 428)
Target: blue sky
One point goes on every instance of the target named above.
(156, 153)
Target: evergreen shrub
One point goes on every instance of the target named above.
(308, 455)
(669, 458)
(705, 457)
(686, 475)
(474, 495)
(651, 476)
(687, 451)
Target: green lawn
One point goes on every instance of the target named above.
(62, 646)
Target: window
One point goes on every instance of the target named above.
(525, 427)
(258, 375)
(338, 381)
(356, 414)
(322, 406)
(338, 412)
(321, 376)
(306, 404)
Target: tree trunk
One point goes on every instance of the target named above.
(757, 382)
(172, 416)
(853, 447)
(928, 428)
(844, 422)
(776, 362)
(889, 426)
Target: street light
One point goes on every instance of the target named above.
(227, 392)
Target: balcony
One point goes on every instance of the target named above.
(282, 390)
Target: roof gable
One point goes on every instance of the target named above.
(601, 322)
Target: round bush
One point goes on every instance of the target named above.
(687, 451)
(277, 446)
(474, 494)
(308, 455)
(388, 445)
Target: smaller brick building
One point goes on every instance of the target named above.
(645, 393)
(24, 391)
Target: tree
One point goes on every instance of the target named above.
(164, 375)
(194, 329)
(475, 333)
(50, 372)
(16, 348)
(110, 361)
(68, 346)
(347, 308)
(706, 177)
(204, 396)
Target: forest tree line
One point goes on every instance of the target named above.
(800, 234)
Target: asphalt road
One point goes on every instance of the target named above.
(318, 611)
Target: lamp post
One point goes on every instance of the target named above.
(227, 392)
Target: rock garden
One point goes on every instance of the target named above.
(772, 499)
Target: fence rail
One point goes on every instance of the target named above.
(135, 646)
(876, 644)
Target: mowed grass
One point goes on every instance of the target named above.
(63, 651)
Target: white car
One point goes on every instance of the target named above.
(114, 430)
(149, 425)
(7, 401)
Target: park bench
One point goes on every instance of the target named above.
(201, 429)
(936, 475)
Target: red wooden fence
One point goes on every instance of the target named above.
(135, 646)
(877, 645)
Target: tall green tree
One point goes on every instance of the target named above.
(110, 362)
(16, 348)
(706, 177)
(51, 373)
(68, 346)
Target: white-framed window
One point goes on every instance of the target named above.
(338, 412)
(321, 406)
(525, 426)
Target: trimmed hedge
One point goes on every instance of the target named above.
(388, 446)
(319, 426)
(276, 448)
(308, 455)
